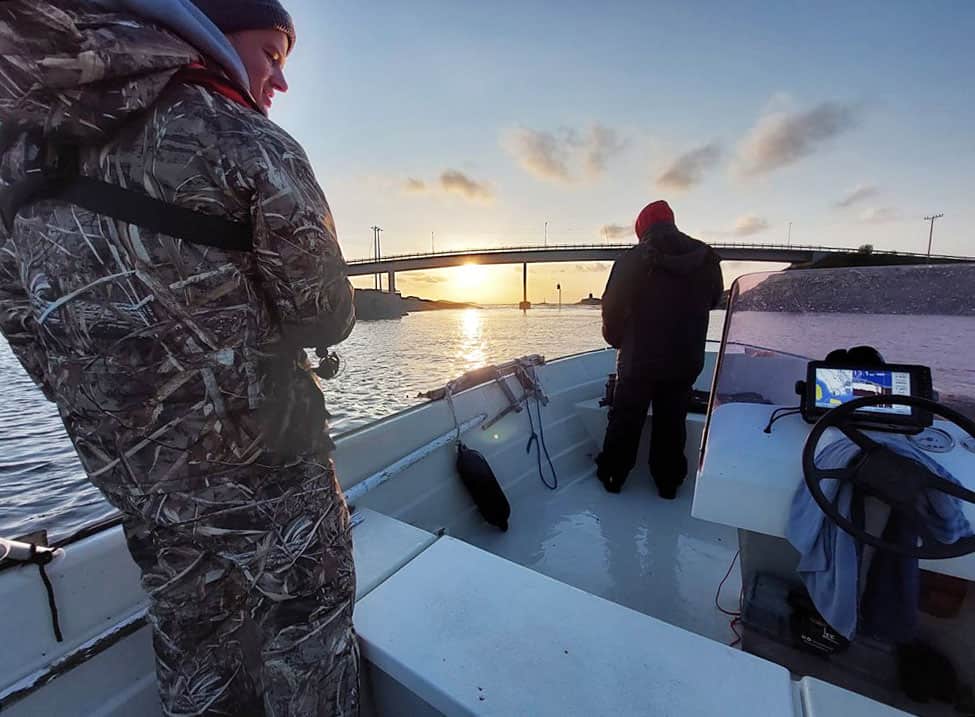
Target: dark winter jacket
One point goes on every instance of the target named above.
(657, 302)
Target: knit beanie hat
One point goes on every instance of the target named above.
(654, 213)
(237, 15)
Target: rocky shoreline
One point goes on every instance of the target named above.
(927, 289)
(372, 305)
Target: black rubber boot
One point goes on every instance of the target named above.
(667, 492)
(604, 473)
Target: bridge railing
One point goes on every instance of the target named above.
(798, 248)
(491, 250)
(563, 247)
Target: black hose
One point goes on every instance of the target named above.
(40, 560)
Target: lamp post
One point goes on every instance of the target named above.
(931, 230)
(377, 252)
(559, 287)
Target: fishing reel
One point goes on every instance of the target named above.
(328, 364)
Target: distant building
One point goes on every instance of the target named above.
(591, 301)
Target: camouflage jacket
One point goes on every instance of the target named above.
(172, 364)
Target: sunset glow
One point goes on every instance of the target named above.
(501, 284)
(469, 278)
(781, 126)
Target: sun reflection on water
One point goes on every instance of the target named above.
(473, 348)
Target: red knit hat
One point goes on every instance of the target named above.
(653, 213)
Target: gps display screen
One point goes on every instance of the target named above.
(829, 385)
(836, 386)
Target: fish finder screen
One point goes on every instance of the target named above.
(835, 386)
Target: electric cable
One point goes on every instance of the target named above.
(540, 445)
(730, 613)
(780, 413)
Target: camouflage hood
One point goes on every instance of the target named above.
(77, 70)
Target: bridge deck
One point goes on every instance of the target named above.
(729, 251)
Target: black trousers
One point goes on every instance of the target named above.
(668, 430)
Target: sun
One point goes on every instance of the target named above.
(470, 276)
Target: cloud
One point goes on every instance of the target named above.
(599, 266)
(750, 224)
(603, 144)
(451, 182)
(616, 231)
(539, 153)
(879, 215)
(459, 183)
(419, 276)
(783, 138)
(859, 193)
(414, 186)
(563, 155)
(688, 169)
(587, 268)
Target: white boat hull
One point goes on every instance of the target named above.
(454, 617)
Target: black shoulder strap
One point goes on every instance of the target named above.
(127, 205)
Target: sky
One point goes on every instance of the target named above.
(458, 124)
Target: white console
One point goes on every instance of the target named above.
(748, 477)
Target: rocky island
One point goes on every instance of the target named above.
(372, 305)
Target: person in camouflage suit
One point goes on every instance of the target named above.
(179, 369)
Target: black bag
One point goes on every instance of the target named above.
(483, 486)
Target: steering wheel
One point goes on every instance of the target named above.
(879, 472)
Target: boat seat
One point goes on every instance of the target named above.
(468, 632)
(381, 546)
(822, 699)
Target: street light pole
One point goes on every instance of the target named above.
(546, 233)
(376, 248)
(931, 230)
(788, 241)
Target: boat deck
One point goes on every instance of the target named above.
(633, 548)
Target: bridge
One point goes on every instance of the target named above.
(525, 255)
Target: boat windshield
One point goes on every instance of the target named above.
(777, 322)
